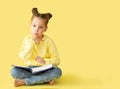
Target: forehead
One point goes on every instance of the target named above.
(38, 20)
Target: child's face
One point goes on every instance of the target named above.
(38, 27)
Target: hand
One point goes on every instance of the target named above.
(40, 60)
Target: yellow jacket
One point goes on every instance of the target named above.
(45, 49)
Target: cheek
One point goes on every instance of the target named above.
(31, 30)
(40, 32)
(31, 27)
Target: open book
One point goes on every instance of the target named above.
(36, 69)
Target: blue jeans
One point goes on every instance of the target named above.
(39, 78)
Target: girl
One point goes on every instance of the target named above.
(37, 49)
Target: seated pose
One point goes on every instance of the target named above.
(37, 50)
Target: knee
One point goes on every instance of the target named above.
(14, 72)
(57, 72)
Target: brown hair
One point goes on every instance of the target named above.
(45, 16)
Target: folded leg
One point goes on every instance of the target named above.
(19, 73)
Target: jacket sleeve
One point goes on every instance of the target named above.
(26, 52)
(53, 54)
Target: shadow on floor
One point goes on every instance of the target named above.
(75, 80)
(68, 79)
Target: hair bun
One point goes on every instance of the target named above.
(35, 11)
(49, 15)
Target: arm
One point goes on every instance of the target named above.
(54, 57)
(26, 52)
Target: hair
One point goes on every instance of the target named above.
(45, 16)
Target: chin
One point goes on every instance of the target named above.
(36, 36)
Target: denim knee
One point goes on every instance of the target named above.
(20, 73)
(57, 71)
(14, 72)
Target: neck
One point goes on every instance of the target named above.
(37, 39)
(40, 37)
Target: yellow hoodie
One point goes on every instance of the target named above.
(45, 49)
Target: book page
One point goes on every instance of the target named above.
(41, 68)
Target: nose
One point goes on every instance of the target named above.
(36, 29)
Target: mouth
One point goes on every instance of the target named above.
(35, 33)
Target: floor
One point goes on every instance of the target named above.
(68, 81)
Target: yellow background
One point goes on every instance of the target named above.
(86, 33)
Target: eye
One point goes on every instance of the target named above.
(34, 25)
(40, 27)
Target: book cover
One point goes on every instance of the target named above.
(35, 69)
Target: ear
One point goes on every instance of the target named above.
(46, 28)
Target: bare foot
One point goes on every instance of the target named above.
(19, 82)
(51, 82)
